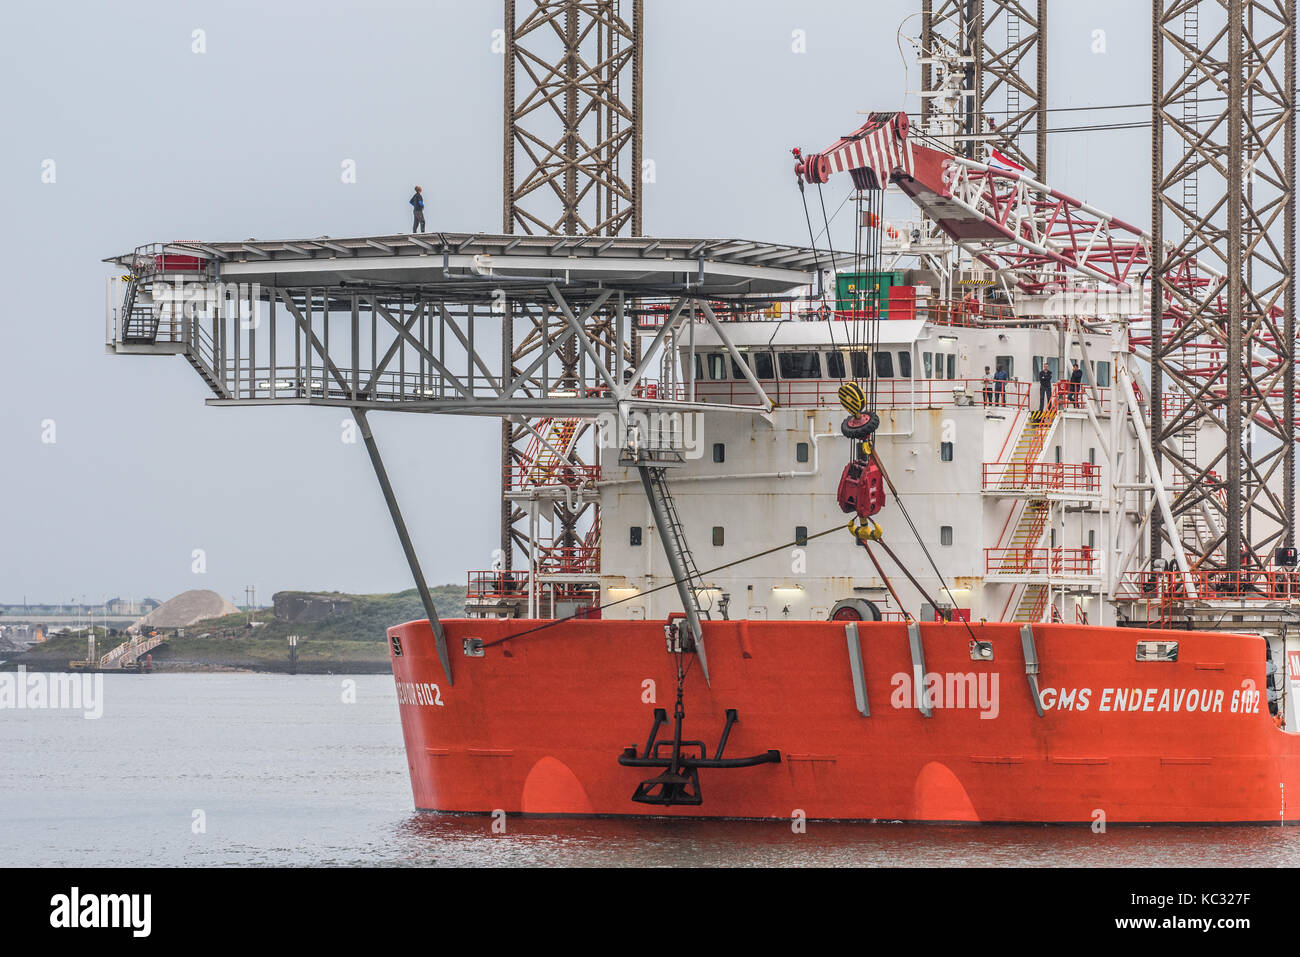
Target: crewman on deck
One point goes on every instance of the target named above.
(1044, 387)
(1000, 385)
(1076, 385)
(417, 204)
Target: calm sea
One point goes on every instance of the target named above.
(283, 770)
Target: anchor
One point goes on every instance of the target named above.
(679, 784)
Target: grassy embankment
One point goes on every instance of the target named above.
(353, 642)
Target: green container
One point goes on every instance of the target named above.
(858, 290)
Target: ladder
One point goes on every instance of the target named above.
(1191, 110)
(1193, 530)
(680, 560)
(674, 535)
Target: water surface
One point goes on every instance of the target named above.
(284, 770)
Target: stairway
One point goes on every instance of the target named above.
(130, 650)
(546, 457)
(138, 324)
(1029, 446)
(1018, 552)
(1033, 601)
(1018, 556)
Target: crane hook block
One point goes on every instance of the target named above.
(862, 489)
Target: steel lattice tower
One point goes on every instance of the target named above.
(573, 142)
(1003, 42)
(573, 118)
(1223, 210)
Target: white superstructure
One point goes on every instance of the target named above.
(1014, 506)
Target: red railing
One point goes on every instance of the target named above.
(1068, 395)
(554, 473)
(1041, 477)
(969, 312)
(645, 389)
(890, 393)
(567, 560)
(1040, 561)
(1210, 585)
(496, 583)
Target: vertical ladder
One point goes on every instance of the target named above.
(680, 561)
(1013, 92)
(1193, 530)
(1192, 37)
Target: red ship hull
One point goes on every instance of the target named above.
(536, 725)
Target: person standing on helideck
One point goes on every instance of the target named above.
(417, 203)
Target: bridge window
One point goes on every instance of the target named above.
(1101, 372)
(927, 363)
(801, 534)
(1052, 362)
(719, 452)
(1092, 538)
(717, 366)
(940, 367)
(800, 365)
(952, 367)
(736, 371)
(835, 365)
(717, 536)
(945, 534)
(885, 365)
(699, 367)
(762, 364)
(905, 365)
(634, 536)
(801, 452)
(945, 451)
(861, 362)
(1005, 363)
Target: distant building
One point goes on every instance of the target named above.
(296, 606)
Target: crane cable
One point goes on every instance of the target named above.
(943, 582)
(672, 584)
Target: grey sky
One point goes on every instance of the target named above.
(153, 142)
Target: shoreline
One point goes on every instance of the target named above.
(206, 666)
